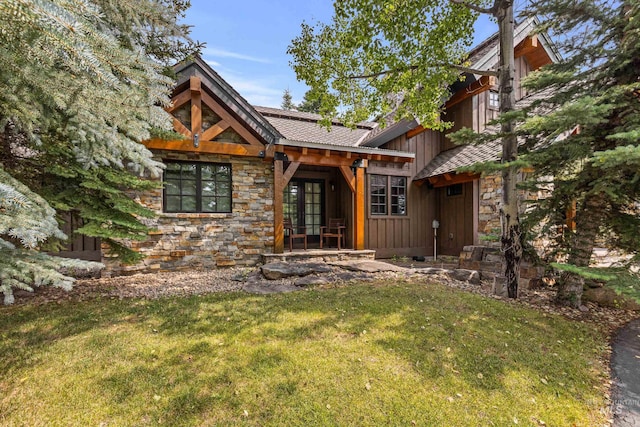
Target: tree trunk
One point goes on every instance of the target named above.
(509, 215)
(588, 218)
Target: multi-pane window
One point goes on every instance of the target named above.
(398, 195)
(494, 99)
(388, 194)
(197, 187)
(378, 193)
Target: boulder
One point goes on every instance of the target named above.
(312, 280)
(607, 297)
(280, 270)
(367, 266)
(470, 276)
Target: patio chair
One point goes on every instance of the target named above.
(337, 229)
(300, 233)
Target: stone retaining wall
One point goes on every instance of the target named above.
(488, 262)
(186, 241)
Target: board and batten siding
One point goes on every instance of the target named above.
(410, 234)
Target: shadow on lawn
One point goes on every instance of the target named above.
(445, 339)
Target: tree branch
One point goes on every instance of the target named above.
(478, 9)
(415, 67)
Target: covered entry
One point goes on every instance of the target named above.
(314, 182)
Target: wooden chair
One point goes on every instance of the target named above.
(337, 229)
(288, 226)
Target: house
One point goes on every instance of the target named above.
(239, 170)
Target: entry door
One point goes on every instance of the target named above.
(304, 204)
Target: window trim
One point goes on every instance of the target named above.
(489, 104)
(199, 197)
(388, 196)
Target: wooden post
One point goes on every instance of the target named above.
(278, 207)
(196, 107)
(359, 210)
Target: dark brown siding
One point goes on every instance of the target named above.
(79, 246)
(409, 234)
(456, 220)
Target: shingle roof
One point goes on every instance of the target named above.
(467, 155)
(300, 126)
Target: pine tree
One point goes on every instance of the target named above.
(82, 83)
(594, 93)
(287, 101)
(310, 104)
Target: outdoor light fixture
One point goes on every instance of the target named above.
(435, 224)
(359, 163)
(280, 156)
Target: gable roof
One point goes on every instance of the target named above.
(466, 155)
(228, 96)
(304, 127)
(485, 56)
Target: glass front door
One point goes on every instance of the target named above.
(304, 204)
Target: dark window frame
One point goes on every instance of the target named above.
(490, 104)
(392, 201)
(378, 200)
(199, 196)
(455, 190)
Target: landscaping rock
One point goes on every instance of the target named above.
(430, 270)
(607, 297)
(367, 266)
(312, 280)
(471, 276)
(281, 270)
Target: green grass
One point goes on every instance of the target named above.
(382, 354)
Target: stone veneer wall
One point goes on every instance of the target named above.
(187, 241)
(489, 228)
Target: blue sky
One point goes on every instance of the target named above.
(246, 42)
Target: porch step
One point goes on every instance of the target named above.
(325, 255)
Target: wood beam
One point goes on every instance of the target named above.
(235, 124)
(415, 131)
(278, 207)
(180, 128)
(291, 170)
(479, 86)
(196, 106)
(318, 159)
(349, 177)
(214, 131)
(448, 179)
(359, 210)
(206, 147)
(179, 100)
(529, 44)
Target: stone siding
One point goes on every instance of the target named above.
(185, 241)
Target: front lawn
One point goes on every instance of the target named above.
(381, 354)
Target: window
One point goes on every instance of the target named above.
(454, 190)
(388, 194)
(378, 195)
(494, 99)
(398, 195)
(197, 187)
